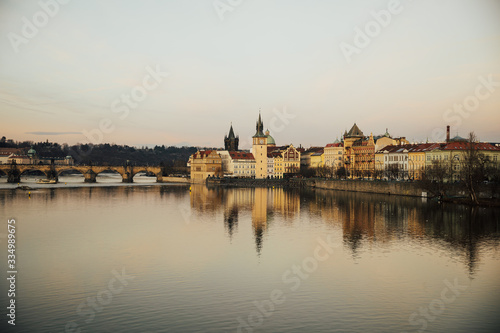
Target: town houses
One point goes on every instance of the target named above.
(355, 155)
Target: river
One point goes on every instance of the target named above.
(173, 258)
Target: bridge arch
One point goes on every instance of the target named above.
(24, 171)
(102, 171)
(61, 170)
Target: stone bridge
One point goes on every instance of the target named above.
(52, 171)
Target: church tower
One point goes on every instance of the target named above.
(259, 150)
(231, 141)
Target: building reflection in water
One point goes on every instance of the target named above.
(262, 203)
(363, 218)
(367, 218)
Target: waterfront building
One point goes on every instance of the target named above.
(364, 157)
(204, 164)
(286, 160)
(452, 155)
(243, 164)
(227, 162)
(395, 161)
(318, 159)
(359, 153)
(334, 155)
(416, 159)
(259, 150)
(270, 164)
(306, 156)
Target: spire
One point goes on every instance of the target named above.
(259, 127)
(231, 132)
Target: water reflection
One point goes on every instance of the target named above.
(202, 257)
(370, 218)
(363, 218)
(262, 203)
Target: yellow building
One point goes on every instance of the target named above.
(204, 164)
(416, 159)
(318, 159)
(452, 156)
(286, 160)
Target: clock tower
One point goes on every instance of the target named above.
(259, 150)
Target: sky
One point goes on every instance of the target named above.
(181, 72)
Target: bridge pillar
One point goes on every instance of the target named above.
(128, 174)
(52, 174)
(127, 177)
(159, 177)
(13, 176)
(90, 176)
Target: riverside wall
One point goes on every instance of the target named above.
(366, 186)
(175, 180)
(247, 182)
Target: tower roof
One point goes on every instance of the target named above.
(355, 132)
(259, 128)
(231, 133)
(270, 139)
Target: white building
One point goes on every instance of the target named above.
(395, 161)
(334, 154)
(227, 162)
(243, 164)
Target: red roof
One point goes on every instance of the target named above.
(274, 154)
(202, 153)
(8, 151)
(457, 145)
(239, 155)
(334, 145)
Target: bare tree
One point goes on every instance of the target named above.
(473, 167)
(393, 171)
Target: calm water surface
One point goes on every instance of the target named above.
(164, 258)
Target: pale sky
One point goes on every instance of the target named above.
(62, 74)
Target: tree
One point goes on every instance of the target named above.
(434, 176)
(473, 167)
(341, 173)
(393, 171)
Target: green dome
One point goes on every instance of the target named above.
(270, 139)
(31, 152)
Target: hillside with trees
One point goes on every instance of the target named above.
(109, 154)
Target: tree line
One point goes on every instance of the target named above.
(174, 159)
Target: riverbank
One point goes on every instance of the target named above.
(248, 182)
(454, 193)
(366, 186)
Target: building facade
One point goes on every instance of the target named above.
(259, 150)
(334, 155)
(204, 164)
(243, 164)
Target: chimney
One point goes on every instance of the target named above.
(447, 133)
